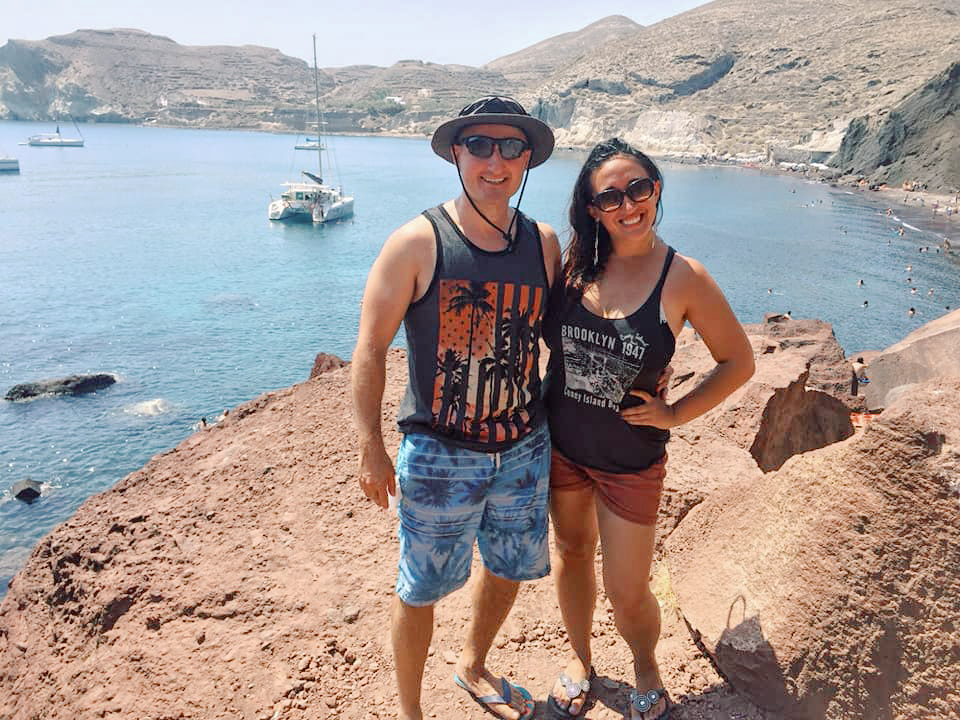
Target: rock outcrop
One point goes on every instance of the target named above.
(931, 351)
(917, 139)
(325, 362)
(70, 385)
(791, 405)
(828, 589)
(26, 490)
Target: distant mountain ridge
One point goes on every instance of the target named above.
(534, 64)
(754, 80)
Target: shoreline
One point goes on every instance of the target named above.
(936, 200)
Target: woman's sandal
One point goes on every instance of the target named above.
(573, 690)
(645, 701)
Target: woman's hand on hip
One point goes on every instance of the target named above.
(655, 412)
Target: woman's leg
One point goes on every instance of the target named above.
(575, 532)
(627, 556)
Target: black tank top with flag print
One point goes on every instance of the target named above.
(473, 341)
(594, 364)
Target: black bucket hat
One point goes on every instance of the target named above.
(495, 110)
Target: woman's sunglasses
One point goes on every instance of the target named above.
(481, 146)
(637, 190)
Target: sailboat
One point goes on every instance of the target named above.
(312, 200)
(309, 144)
(55, 139)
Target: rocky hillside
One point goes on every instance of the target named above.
(533, 65)
(744, 77)
(123, 75)
(130, 76)
(919, 138)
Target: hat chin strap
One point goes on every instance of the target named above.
(506, 234)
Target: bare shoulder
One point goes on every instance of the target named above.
(548, 236)
(687, 273)
(415, 236)
(406, 261)
(551, 250)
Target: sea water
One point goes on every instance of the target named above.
(148, 254)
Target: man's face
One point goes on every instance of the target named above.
(492, 179)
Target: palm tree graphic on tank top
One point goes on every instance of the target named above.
(487, 348)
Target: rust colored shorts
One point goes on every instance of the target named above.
(633, 496)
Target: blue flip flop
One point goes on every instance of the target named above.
(501, 698)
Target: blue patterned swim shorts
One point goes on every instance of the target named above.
(451, 496)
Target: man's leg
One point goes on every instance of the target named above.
(512, 539)
(436, 547)
(492, 599)
(411, 631)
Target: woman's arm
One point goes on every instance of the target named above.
(695, 297)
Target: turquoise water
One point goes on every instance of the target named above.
(148, 254)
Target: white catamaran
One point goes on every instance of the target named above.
(312, 200)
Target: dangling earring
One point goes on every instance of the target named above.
(596, 245)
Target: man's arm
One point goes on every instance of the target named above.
(551, 252)
(400, 274)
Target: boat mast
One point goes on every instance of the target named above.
(316, 94)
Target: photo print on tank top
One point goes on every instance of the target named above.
(600, 367)
(487, 351)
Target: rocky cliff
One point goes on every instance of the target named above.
(917, 139)
(242, 575)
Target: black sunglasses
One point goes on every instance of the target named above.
(481, 146)
(637, 190)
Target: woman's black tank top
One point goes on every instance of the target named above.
(594, 363)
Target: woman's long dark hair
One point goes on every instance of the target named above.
(579, 268)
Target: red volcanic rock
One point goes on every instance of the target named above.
(779, 412)
(829, 588)
(325, 362)
(830, 371)
(932, 351)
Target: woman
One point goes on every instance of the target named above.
(612, 333)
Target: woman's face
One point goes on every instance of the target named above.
(633, 220)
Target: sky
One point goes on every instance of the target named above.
(373, 32)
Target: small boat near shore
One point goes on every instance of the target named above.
(54, 139)
(309, 144)
(9, 164)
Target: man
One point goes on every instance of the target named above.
(469, 279)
